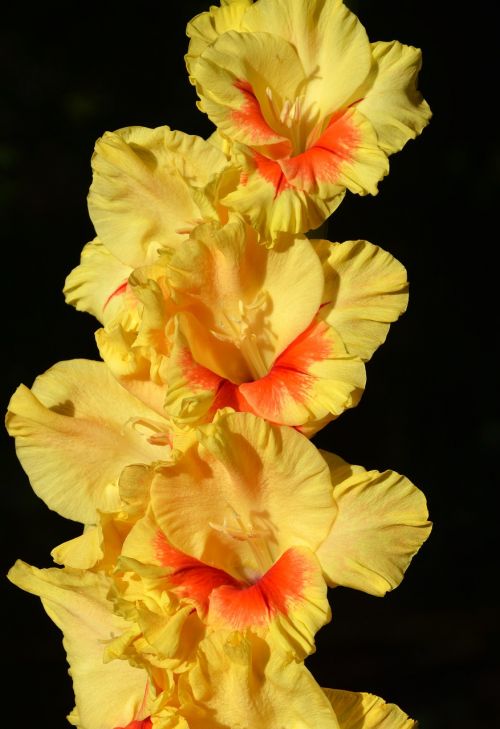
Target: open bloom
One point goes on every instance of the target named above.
(310, 106)
(251, 521)
(282, 333)
(234, 680)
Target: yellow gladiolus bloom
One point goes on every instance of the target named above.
(250, 521)
(279, 332)
(234, 680)
(311, 107)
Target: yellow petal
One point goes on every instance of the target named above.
(244, 495)
(204, 28)
(236, 683)
(313, 379)
(142, 195)
(99, 284)
(365, 290)
(393, 105)
(233, 78)
(107, 695)
(330, 41)
(366, 711)
(192, 388)
(75, 431)
(82, 552)
(140, 545)
(381, 523)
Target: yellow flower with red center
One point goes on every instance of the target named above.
(252, 521)
(311, 107)
(279, 332)
(234, 678)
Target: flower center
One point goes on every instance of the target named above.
(289, 114)
(235, 528)
(239, 329)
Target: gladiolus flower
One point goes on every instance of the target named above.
(268, 332)
(250, 521)
(310, 106)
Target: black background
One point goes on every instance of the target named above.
(429, 410)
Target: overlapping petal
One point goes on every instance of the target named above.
(394, 106)
(99, 285)
(366, 289)
(150, 188)
(268, 689)
(147, 188)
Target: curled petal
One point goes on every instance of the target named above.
(380, 525)
(99, 285)
(394, 105)
(77, 603)
(366, 711)
(366, 289)
(204, 28)
(142, 196)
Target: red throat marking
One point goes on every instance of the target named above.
(237, 603)
(120, 290)
(138, 724)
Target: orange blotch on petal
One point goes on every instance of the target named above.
(191, 578)
(271, 172)
(119, 290)
(138, 724)
(249, 116)
(277, 591)
(197, 375)
(311, 346)
(323, 160)
(289, 377)
(267, 396)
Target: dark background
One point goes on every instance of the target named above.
(429, 410)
